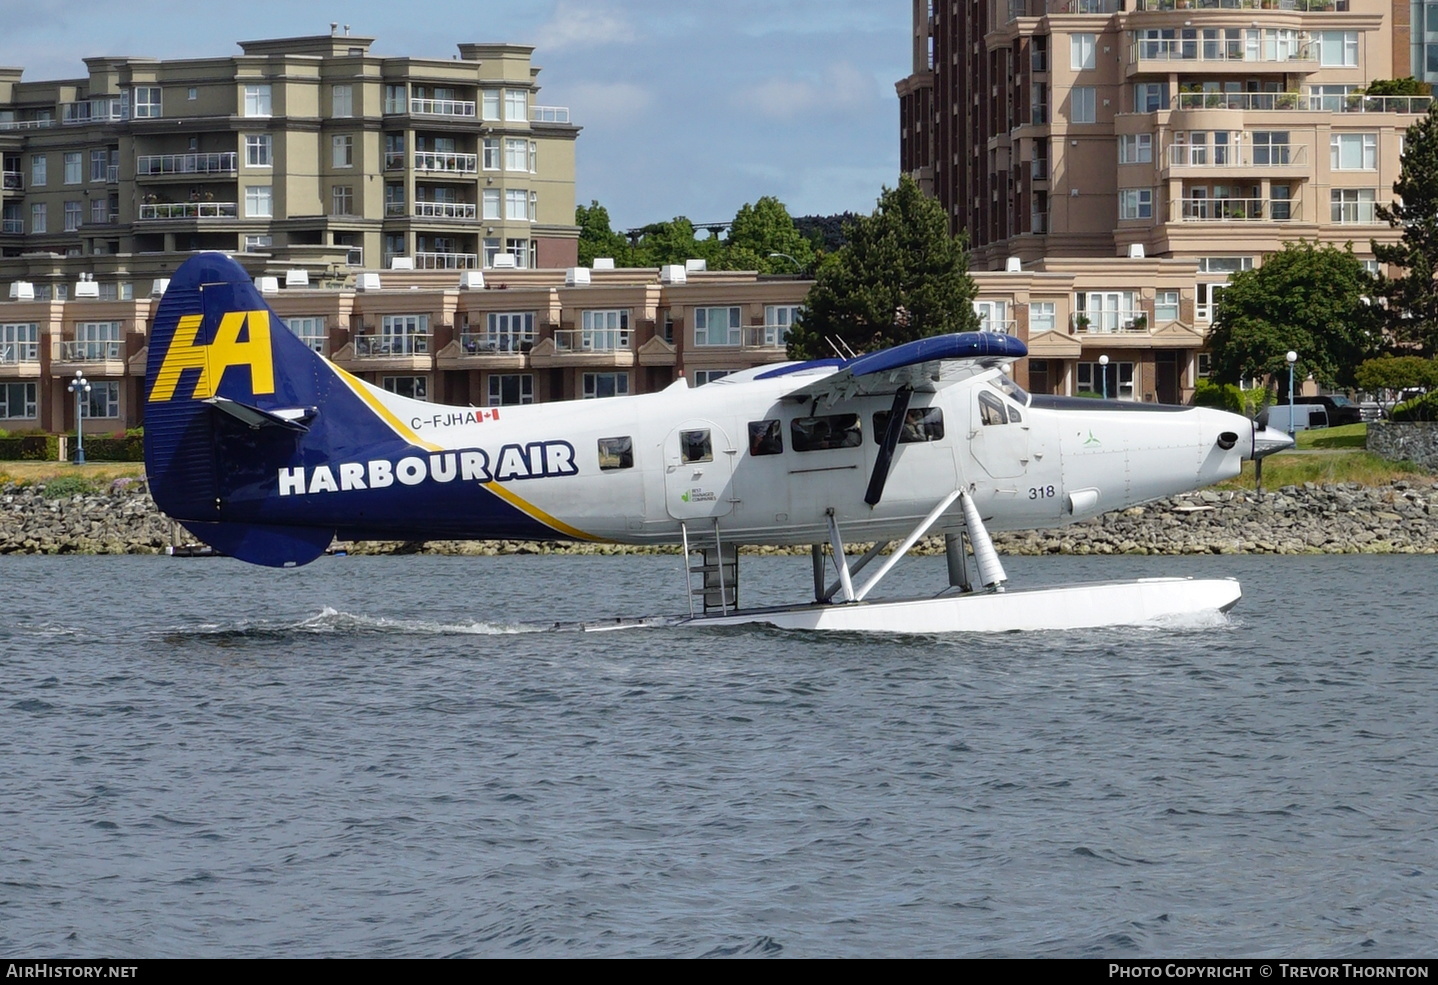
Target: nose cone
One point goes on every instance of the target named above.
(1266, 441)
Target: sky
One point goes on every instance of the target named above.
(688, 107)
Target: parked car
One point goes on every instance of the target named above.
(1305, 416)
(1341, 410)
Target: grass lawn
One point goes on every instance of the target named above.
(97, 472)
(1328, 455)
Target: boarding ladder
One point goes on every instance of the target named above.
(714, 579)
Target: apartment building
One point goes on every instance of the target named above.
(484, 338)
(1147, 150)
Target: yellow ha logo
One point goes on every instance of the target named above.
(212, 360)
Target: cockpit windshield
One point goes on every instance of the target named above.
(1010, 389)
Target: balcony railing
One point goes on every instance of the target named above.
(443, 210)
(13, 226)
(26, 124)
(1236, 210)
(1300, 5)
(1242, 155)
(999, 326)
(1233, 50)
(14, 353)
(90, 111)
(1038, 8)
(494, 343)
(14, 181)
(89, 352)
(1302, 102)
(446, 261)
(549, 114)
(227, 163)
(382, 346)
(1112, 321)
(592, 340)
(190, 210)
(394, 160)
(441, 107)
(437, 161)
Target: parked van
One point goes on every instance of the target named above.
(1305, 416)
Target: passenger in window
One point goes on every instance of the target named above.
(765, 438)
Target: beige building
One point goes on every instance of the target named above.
(1147, 150)
(481, 338)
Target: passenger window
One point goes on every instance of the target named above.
(920, 424)
(991, 410)
(695, 446)
(821, 433)
(766, 438)
(616, 453)
(1014, 415)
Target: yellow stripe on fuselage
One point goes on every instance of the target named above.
(536, 513)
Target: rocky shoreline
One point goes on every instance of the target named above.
(1401, 518)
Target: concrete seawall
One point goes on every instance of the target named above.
(1401, 518)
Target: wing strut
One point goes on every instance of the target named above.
(892, 433)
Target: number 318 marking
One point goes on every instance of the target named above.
(1041, 492)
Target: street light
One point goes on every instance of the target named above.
(1103, 374)
(79, 386)
(799, 267)
(1291, 358)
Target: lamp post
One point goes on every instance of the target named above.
(79, 386)
(1290, 358)
(1103, 375)
(798, 267)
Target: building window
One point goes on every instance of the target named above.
(1114, 380)
(73, 175)
(343, 102)
(343, 146)
(258, 150)
(1043, 316)
(1082, 56)
(491, 249)
(1039, 103)
(1353, 151)
(192, 94)
(605, 330)
(17, 399)
(490, 201)
(516, 154)
(343, 200)
(1039, 53)
(19, 343)
(38, 220)
(396, 99)
(404, 335)
(519, 249)
(605, 385)
(1135, 203)
(37, 169)
(778, 320)
(253, 244)
(145, 104)
(491, 153)
(1150, 97)
(103, 400)
(718, 326)
(259, 201)
(72, 216)
(1338, 49)
(257, 100)
(96, 341)
(516, 105)
(508, 389)
(489, 104)
(99, 211)
(414, 387)
(506, 331)
(1165, 306)
(516, 204)
(1352, 205)
(1081, 104)
(99, 164)
(311, 332)
(1270, 148)
(1135, 148)
(702, 376)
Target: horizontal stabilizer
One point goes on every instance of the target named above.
(294, 419)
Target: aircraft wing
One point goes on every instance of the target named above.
(922, 365)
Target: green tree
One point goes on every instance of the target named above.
(596, 239)
(1310, 299)
(1397, 373)
(761, 230)
(1411, 299)
(900, 276)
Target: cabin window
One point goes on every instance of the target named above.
(766, 438)
(920, 424)
(414, 387)
(822, 433)
(616, 453)
(696, 446)
(991, 409)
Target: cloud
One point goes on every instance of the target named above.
(583, 25)
(840, 88)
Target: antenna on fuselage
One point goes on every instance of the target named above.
(841, 348)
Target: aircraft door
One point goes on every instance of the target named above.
(698, 471)
(999, 435)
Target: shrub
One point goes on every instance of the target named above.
(66, 486)
(1226, 396)
(30, 448)
(1424, 408)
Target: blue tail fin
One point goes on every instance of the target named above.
(231, 395)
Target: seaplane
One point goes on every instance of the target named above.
(269, 453)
